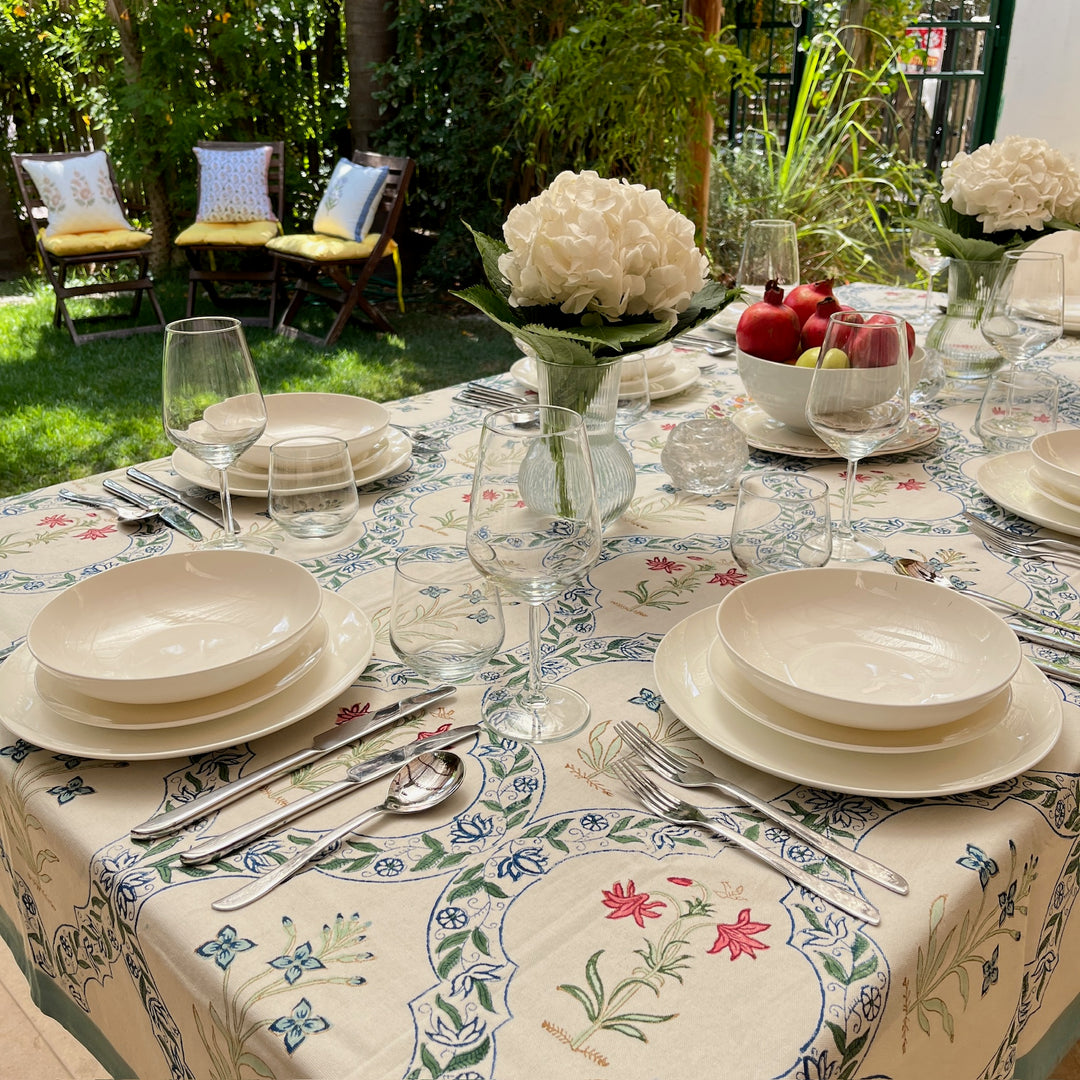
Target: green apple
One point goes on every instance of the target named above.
(835, 358)
(808, 358)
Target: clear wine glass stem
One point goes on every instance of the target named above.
(846, 528)
(929, 289)
(231, 531)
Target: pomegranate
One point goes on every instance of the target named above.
(768, 330)
(813, 331)
(803, 299)
(907, 326)
(875, 348)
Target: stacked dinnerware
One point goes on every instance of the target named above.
(860, 681)
(1055, 471)
(182, 653)
(376, 450)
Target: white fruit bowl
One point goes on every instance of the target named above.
(865, 648)
(781, 390)
(1057, 460)
(175, 627)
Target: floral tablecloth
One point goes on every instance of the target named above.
(541, 924)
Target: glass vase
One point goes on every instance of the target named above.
(593, 391)
(966, 356)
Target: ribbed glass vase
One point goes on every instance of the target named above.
(593, 391)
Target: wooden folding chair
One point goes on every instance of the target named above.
(224, 254)
(339, 270)
(94, 250)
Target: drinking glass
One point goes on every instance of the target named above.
(1017, 406)
(212, 406)
(534, 529)
(312, 485)
(446, 620)
(925, 253)
(855, 410)
(770, 253)
(634, 400)
(1026, 309)
(782, 522)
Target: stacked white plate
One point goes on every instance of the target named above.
(376, 449)
(669, 373)
(860, 681)
(180, 654)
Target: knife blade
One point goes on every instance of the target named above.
(169, 514)
(1052, 672)
(324, 743)
(188, 498)
(215, 847)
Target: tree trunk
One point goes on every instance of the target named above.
(153, 181)
(12, 253)
(367, 36)
(711, 14)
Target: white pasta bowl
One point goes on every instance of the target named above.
(176, 627)
(358, 421)
(781, 390)
(867, 649)
(1057, 460)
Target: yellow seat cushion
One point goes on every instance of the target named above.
(233, 233)
(90, 243)
(323, 248)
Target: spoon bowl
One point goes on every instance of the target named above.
(419, 784)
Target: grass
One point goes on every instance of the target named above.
(68, 411)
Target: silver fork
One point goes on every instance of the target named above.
(983, 529)
(1020, 550)
(673, 769)
(669, 808)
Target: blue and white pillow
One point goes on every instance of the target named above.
(348, 206)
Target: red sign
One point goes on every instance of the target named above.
(928, 40)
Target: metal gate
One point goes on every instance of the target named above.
(954, 66)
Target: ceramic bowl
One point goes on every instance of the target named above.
(866, 648)
(357, 421)
(1057, 460)
(175, 627)
(781, 390)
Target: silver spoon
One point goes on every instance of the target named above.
(925, 572)
(418, 785)
(126, 515)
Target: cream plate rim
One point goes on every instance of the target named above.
(1004, 479)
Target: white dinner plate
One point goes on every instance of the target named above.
(765, 433)
(63, 698)
(1004, 478)
(346, 654)
(684, 373)
(744, 696)
(1024, 736)
(396, 458)
(1046, 489)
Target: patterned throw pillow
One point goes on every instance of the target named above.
(233, 185)
(78, 194)
(348, 206)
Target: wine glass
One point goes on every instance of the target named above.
(770, 253)
(1026, 309)
(856, 409)
(212, 406)
(534, 528)
(924, 251)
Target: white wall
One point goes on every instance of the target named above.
(1041, 94)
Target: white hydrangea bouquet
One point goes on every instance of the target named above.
(592, 268)
(1003, 195)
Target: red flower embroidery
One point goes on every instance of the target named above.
(630, 903)
(54, 521)
(999, 410)
(666, 565)
(437, 731)
(490, 495)
(351, 712)
(728, 577)
(466, 498)
(739, 936)
(96, 534)
(684, 881)
(667, 427)
(1042, 418)
(911, 485)
(860, 477)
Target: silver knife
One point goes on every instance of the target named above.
(1057, 673)
(169, 514)
(1049, 640)
(215, 847)
(324, 743)
(197, 504)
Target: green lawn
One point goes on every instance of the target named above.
(68, 411)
